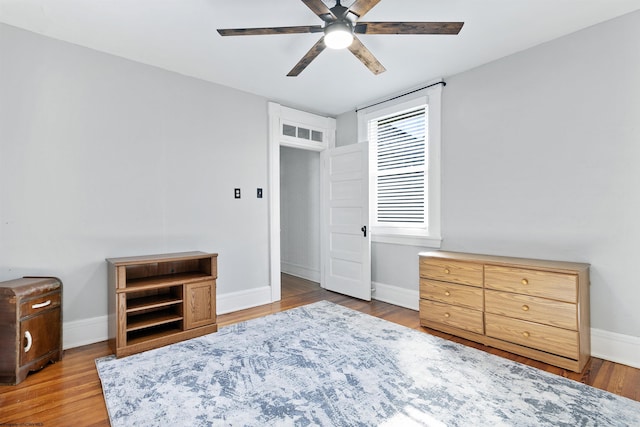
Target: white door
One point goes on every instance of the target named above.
(346, 241)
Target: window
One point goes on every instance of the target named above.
(398, 145)
(404, 166)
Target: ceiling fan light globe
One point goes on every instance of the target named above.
(338, 36)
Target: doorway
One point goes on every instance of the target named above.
(300, 213)
(291, 128)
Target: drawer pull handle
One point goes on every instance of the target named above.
(524, 281)
(447, 271)
(525, 334)
(525, 308)
(447, 315)
(42, 304)
(447, 293)
(29, 343)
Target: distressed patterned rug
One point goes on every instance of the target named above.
(323, 364)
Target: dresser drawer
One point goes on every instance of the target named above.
(464, 273)
(40, 304)
(449, 293)
(546, 284)
(542, 337)
(458, 317)
(525, 307)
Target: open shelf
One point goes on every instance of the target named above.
(166, 280)
(157, 300)
(152, 302)
(153, 318)
(155, 333)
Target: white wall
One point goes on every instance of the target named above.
(300, 212)
(540, 159)
(346, 128)
(104, 157)
(541, 152)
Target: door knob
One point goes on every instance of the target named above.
(364, 230)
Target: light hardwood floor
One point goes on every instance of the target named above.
(69, 392)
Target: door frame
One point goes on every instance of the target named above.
(278, 116)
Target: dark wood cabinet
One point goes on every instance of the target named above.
(30, 326)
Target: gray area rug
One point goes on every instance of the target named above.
(323, 364)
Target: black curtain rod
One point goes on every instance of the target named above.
(443, 83)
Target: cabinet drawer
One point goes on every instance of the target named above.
(458, 317)
(542, 337)
(40, 304)
(449, 293)
(464, 273)
(546, 284)
(525, 307)
(39, 335)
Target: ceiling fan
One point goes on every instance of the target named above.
(341, 24)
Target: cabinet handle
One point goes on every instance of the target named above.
(524, 281)
(525, 308)
(27, 346)
(42, 304)
(447, 315)
(447, 293)
(525, 334)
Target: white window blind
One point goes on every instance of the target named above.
(399, 143)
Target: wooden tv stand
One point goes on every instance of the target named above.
(157, 300)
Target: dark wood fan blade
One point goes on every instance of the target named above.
(320, 9)
(308, 57)
(366, 57)
(270, 30)
(408, 27)
(360, 7)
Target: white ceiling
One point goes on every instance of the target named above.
(180, 35)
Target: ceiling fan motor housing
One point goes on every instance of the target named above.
(338, 34)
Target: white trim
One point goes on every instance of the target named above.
(432, 236)
(396, 239)
(618, 348)
(236, 301)
(85, 331)
(274, 200)
(301, 271)
(395, 295)
(277, 115)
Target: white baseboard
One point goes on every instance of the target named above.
(235, 301)
(85, 331)
(618, 348)
(395, 295)
(300, 271)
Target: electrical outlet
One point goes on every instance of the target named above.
(259, 193)
(236, 193)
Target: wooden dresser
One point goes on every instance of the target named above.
(535, 308)
(30, 326)
(157, 300)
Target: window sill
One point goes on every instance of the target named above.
(398, 239)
